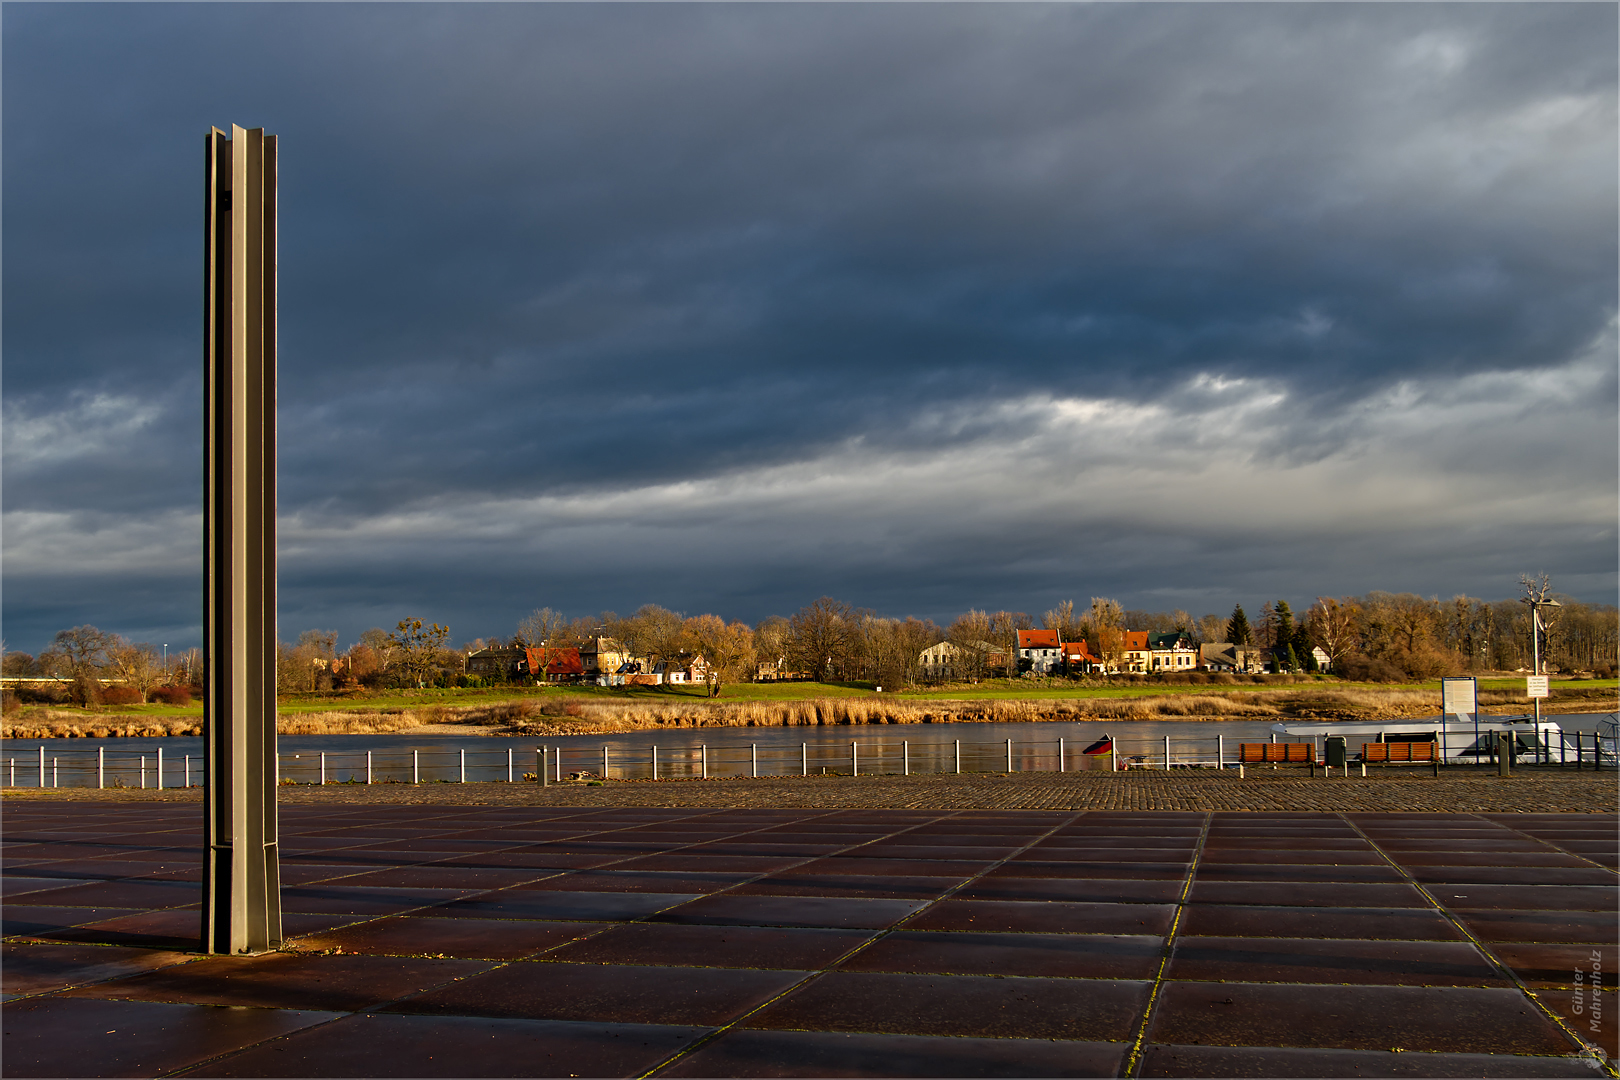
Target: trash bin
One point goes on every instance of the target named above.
(1333, 751)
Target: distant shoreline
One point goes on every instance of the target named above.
(532, 718)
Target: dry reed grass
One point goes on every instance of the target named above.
(559, 717)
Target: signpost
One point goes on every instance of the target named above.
(1460, 698)
(1535, 686)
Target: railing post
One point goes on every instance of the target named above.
(854, 759)
(959, 757)
(188, 770)
(655, 761)
(543, 775)
(1167, 753)
(1220, 751)
(1009, 755)
(753, 749)
(323, 768)
(416, 767)
(704, 750)
(804, 759)
(1062, 765)
(368, 768)
(101, 768)
(463, 764)
(160, 768)
(143, 769)
(511, 774)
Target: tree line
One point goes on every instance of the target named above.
(1378, 636)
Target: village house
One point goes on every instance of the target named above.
(1039, 651)
(1171, 652)
(499, 664)
(1078, 659)
(554, 665)
(948, 660)
(684, 669)
(1240, 659)
(603, 656)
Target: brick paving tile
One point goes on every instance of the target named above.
(1198, 790)
(902, 926)
(843, 1053)
(1213, 1061)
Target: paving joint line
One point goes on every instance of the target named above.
(377, 1007)
(1587, 1050)
(718, 1032)
(1133, 1060)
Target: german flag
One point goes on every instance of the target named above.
(1101, 746)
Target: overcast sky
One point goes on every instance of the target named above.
(728, 307)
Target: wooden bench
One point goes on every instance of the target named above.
(1266, 753)
(1397, 753)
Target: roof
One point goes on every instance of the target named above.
(1079, 650)
(1136, 640)
(1038, 639)
(555, 662)
(1168, 640)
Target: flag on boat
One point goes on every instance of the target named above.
(1101, 746)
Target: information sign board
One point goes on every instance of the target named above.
(1536, 686)
(1458, 697)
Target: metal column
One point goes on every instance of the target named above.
(241, 868)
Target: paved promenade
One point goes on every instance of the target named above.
(1397, 788)
(548, 940)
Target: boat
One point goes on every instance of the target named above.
(1466, 739)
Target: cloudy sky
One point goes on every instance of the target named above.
(727, 307)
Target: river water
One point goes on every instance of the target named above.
(679, 752)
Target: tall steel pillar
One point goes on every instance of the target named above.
(241, 865)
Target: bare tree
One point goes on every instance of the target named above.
(1108, 626)
(1332, 625)
(79, 654)
(542, 626)
(654, 632)
(771, 641)
(418, 646)
(728, 650)
(970, 633)
(1061, 619)
(819, 636)
(137, 666)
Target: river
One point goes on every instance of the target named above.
(679, 752)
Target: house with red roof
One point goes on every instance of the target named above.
(1039, 651)
(553, 665)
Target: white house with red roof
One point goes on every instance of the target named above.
(1040, 651)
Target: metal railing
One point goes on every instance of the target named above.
(50, 767)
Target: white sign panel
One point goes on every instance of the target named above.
(1535, 686)
(1457, 697)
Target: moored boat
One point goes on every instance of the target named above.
(1464, 739)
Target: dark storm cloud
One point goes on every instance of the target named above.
(533, 254)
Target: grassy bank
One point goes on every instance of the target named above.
(589, 710)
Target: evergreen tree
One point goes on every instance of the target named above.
(1237, 627)
(1290, 661)
(1284, 632)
